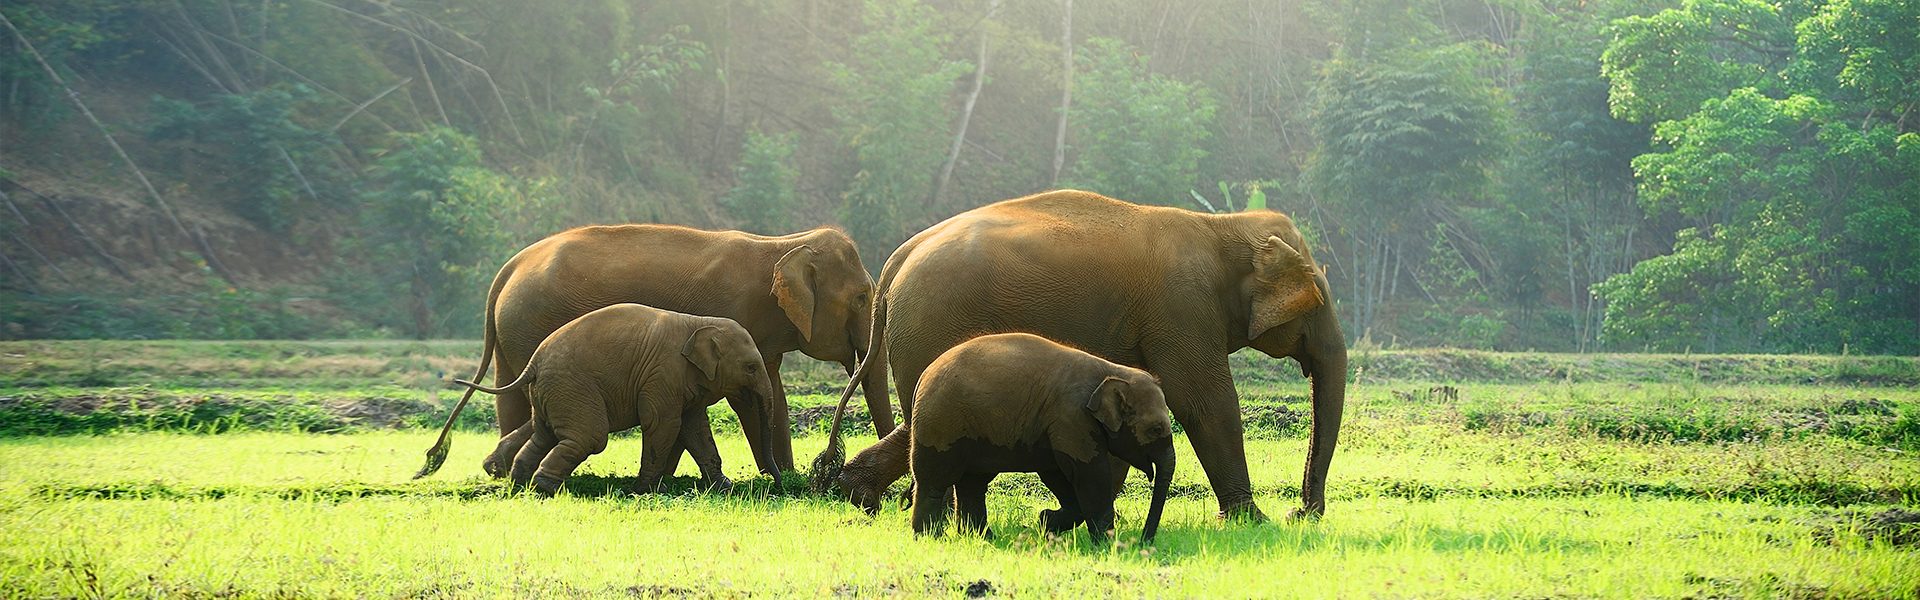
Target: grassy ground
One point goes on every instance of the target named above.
(1455, 478)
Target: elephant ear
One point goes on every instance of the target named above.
(1106, 400)
(703, 350)
(793, 288)
(1283, 286)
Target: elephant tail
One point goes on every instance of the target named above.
(437, 455)
(827, 466)
(472, 387)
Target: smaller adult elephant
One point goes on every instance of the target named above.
(627, 366)
(807, 291)
(1019, 402)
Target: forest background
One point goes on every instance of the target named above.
(1566, 175)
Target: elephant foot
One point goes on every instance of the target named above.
(718, 485)
(1245, 512)
(547, 487)
(646, 485)
(496, 468)
(1058, 521)
(1307, 513)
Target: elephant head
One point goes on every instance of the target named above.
(1133, 411)
(1285, 297)
(824, 290)
(1281, 284)
(727, 363)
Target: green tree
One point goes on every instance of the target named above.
(436, 219)
(1140, 134)
(1570, 182)
(893, 113)
(1406, 138)
(764, 179)
(1797, 185)
(258, 146)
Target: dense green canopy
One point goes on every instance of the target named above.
(1707, 175)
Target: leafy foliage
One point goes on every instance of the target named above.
(257, 145)
(437, 223)
(1406, 128)
(1466, 170)
(1141, 134)
(894, 118)
(765, 179)
(1802, 208)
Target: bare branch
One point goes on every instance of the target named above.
(145, 184)
(439, 51)
(29, 245)
(363, 106)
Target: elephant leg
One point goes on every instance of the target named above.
(930, 496)
(970, 501)
(657, 455)
(579, 439)
(527, 460)
(1094, 487)
(511, 408)
(782, 420)
(1200, 393)
(890, 458)
(500, 462)
(1068, 516)
(696, 435)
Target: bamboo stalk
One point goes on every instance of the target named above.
(29, 245)
(145, 184)
(112, 262)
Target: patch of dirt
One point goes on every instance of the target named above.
(1718, 588)
(979, 589)
(79, 405)
(1273, 416)
(1864, 406)
(1812, 420)
(378, 413)
(660, 591)
(1896, 526)
(818, 418)
(816, 388)
(1439, 393)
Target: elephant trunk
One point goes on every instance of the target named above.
(1162, 479)
(1329, 374)
(769, 424)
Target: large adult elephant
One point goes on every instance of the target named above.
(806, 291)
(1167, 290)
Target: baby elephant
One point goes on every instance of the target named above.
(630, 365)
(1020, 402)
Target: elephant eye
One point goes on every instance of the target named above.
(751, 367)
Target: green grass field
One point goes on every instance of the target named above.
(281, 469)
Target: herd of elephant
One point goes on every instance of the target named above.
(1051, 334)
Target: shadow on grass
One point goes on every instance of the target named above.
(1181, 541)
(793, 486)
(754, 490)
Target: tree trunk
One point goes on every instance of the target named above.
(1066, 91)
(966, 111)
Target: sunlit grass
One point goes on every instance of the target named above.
(1680, 485)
